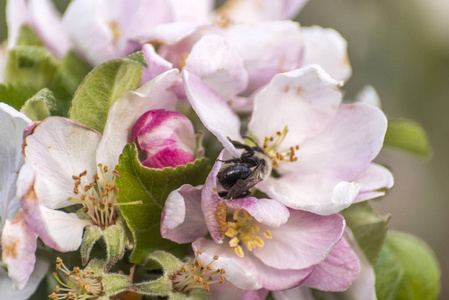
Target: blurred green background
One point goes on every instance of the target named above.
(401, 48)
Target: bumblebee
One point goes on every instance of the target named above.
(239, 175)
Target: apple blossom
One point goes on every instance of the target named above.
(74, 165)
(253, 11)
(260, 242)
(321, 148)
(43, 18)
(166, 138)
(18, 242)
(103, 30)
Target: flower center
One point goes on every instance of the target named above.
(98, 197)
(243, 230)
(196, 275)
(115, 30)
(272, 143)
(77, 284)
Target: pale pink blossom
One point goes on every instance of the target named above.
(43, 18)
(60, 152)
(107, 29)
(321, 148)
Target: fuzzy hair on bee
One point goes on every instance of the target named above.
(238, 175)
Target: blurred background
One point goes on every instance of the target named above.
(401, 48)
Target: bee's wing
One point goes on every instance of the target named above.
(242, 186)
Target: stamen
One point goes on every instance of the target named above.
(100, 196)
(245, 231)
(195, 275)
(77, 284)
(271, 144)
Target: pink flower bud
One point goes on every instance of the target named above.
(166, 138)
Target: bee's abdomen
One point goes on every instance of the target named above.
(229, 176)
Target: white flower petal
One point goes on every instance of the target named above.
(213, 111)
(18, 250)
(223, 70)
(374, 181)
(298, 293)
(327, 48)
(156, 64)
(12, 124)
(273, 47)
(58, 149)
(48, 25)
(234, 271)
(318, 194)
(305, 100)
(155, 94)
(6, 284)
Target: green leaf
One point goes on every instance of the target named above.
(16, 95)
(406, 270)
(30, 56)
(27, 37)
(151, 186)
(409, 136)
(29, 65)
(92, 233)
(163, 286)
(114, 237)
(68, 76)
(368, 228)
(101, 88)
(138, 57)
(39, 106)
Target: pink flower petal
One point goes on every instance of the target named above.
(269, 212)
(12, 124)
(57, 155)
(58, 230)
(274, 47)
(166, 34)
(167, 134)
(212, 205)
(319, 193)
(156, 64)
(305, 240)
(182, 220)
(305, 100)
(168, 158)
(48, 25)
(253, 11)
(272, 278)
(337, 272)
(348, 144)
(6, 284)
(297, 293)
(228, 291)
(327, 48)
(18, 250)
(223, 70)
(16, 15)
(364, 286)
(213, 111)
(374, 181)
(192, 10)
(155, 94)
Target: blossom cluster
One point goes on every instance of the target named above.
(124, 158)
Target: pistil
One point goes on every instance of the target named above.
(98, 197)
(243, 230)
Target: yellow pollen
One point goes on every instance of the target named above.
(245, 232)
(271, 145)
